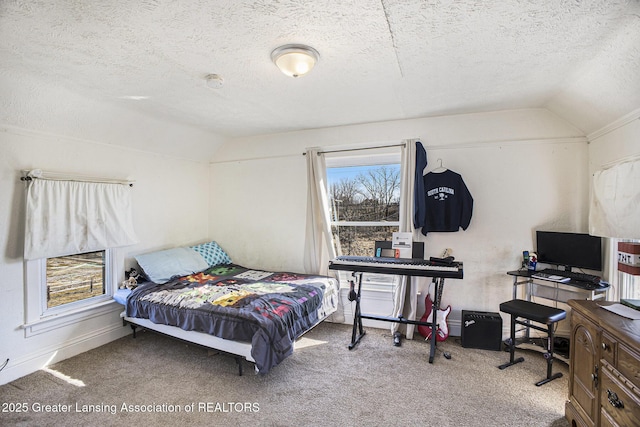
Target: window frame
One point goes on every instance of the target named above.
(374, 156)
(622, 285)
(39, 318)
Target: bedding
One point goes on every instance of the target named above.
(269, 310)
(162, 266)
(121, 295)
(212, 253)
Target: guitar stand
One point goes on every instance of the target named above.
(358, 331)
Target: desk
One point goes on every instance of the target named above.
(554, 291)
(358, 267)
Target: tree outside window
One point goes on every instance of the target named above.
(365, 204)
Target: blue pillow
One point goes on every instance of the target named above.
(212, 253)
(161, 266)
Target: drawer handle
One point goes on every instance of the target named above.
(605, 347)
(614, 400)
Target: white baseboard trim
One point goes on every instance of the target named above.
(43, 357)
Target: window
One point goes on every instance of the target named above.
(364, 206)
(75, 278)
(89, 220)
(364, 197)
(624, 284)
(63, 290)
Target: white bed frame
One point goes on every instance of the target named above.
(236, 348)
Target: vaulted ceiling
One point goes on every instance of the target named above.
(379, 59)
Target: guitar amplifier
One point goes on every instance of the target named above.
(481, 329)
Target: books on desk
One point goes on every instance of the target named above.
(552, 277)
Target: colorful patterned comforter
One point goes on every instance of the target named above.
(269, 310)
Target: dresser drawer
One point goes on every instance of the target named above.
(629, 365)
(619, 406)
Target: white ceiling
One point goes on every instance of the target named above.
(380, 59)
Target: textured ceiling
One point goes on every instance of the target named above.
(380, 59)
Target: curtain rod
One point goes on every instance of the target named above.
(359, 149)
(30, 175)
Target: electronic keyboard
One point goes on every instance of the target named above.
(397, 266)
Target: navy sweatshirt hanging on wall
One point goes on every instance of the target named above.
(445, 205)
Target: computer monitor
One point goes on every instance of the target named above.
(571, 250)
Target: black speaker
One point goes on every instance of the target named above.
(481, 329)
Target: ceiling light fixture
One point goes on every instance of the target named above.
(295, 60)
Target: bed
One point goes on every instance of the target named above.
(252, 314)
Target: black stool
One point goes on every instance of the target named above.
(538, 313)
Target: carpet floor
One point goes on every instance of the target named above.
(161, 381)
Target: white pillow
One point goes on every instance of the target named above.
(161, 266)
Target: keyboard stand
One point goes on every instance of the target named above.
(358, 331)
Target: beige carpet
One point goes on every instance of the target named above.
(160, 381)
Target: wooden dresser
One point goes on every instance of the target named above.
(604, 367)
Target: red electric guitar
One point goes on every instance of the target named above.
(441, 316)
(441, 319)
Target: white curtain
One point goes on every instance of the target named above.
(615, 202)
(319, 249)
(319, 246)
(406, 298)
(70, 217)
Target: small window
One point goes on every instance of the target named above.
(63, 290)
(628, 285)
(88, 220)
(75, 278)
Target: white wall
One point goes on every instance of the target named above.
(258, 208)
(526, 169)
(34, 102)
(167, 214)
